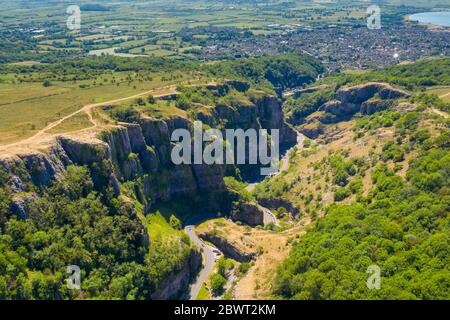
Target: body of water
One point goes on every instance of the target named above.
(436, 18)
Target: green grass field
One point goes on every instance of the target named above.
(441, 91)
(159, 226)
(28, 107)
(203, 294)
(77, 122)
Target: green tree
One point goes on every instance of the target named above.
(175, 222)
(217, 283)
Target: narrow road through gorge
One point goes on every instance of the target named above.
(210, 258)
(210, 254)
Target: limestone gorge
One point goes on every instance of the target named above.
(130, 162)
(363, 181)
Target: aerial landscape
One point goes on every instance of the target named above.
(224, 150)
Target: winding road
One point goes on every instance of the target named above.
(445, 95)
(284, 161)
(210, 254)
(210, 257)
(269, 217)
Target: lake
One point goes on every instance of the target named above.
(436, 18)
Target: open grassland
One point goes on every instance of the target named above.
(160, 227)
(77, 122)
(28, 107)
(442, 91)
(203, 294)
(14, 93)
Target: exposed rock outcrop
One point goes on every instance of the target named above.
(275, 204)
(312, 130)
(262, 112)
(96, 155)
(360, 93)
(272, 117)
(405, 107)
(20, 205)
(141, 153)
(321, 116)
(177, 284)
(156, 135)
(374, 105)
(130, 151)
(229, 249)
(339, 108)
(248, 213)
(366, 98)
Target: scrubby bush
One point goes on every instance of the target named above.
(175, 222)
(342, 194)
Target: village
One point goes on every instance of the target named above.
(340, 48)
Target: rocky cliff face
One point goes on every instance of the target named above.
(229, 249)
(249, 213)
(140, 153)
(176, 285)
(366, 98)
(272, 117)
(359, 94)
(125, 152)
(143, 151)
(262, 112)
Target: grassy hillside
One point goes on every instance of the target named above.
(401, 225)
(34, 96)
(377, 187)
(413, 76)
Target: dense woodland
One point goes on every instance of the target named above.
(412, 76)
(280, 72)
(402, 226)
(71, 223)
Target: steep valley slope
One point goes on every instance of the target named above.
(127, 166)
(370, 186)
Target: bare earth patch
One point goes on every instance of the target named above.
(273, 248)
